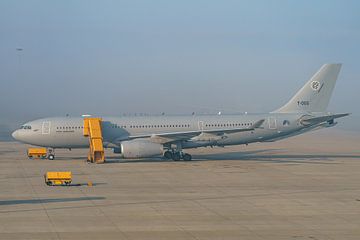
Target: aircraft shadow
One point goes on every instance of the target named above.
(268, 155)
(265, 155)
(48, 200)
(114, 159)
(143, 160)
(275, 157)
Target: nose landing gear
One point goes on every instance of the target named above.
(51, 154)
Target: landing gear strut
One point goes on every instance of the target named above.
(51, 154)
(176, 156)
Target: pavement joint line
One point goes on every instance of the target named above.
(176, 224)
(186, 199)
(98, 207)
(225, 218)
(42, 204)
(314, 231)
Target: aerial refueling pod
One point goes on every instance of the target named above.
(140, 148)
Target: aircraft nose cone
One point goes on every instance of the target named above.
(15, 134)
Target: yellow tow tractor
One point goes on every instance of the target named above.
(37, 153)
(41, 153)
(58, 178)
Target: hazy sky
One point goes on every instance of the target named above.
(114, 57)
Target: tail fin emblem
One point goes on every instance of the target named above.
(315, 85)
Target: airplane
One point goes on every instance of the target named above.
(168, 136)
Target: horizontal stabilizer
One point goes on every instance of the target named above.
(315, 120)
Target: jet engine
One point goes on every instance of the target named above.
(140, 148)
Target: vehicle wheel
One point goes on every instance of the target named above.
(176, 156)
(51, 157)
(168, 155)
(187, 157)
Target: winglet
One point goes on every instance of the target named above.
(258, 124)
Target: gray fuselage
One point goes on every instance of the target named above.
(67, 132)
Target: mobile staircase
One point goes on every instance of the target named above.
(92, 130)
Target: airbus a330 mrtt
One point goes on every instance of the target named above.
(168, 136)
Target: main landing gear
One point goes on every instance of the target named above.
(177, 155)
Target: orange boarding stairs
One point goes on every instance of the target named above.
(92, 130)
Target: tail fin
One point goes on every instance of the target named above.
(315, 95)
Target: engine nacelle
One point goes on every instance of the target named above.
(140, 148)
(117, 150)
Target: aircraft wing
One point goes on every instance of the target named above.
(177, 136)
(316, 120)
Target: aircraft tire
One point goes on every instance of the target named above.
(168, 155)
(187, 157)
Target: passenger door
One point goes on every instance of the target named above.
(46, 128)
(201, 125)
(272, 123)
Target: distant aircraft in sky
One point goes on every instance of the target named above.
(148, 136)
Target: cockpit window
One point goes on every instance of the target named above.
(25, 127)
